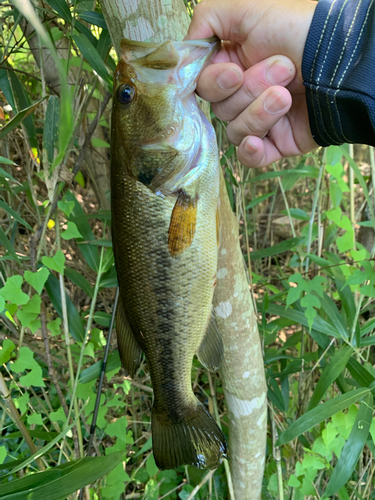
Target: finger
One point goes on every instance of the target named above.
(219, 81)
(217, 17)
(276, 70)
(261, 115)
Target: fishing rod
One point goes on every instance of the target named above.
(100, 386)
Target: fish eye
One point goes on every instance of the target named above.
(125, 93)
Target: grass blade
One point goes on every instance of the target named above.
(352, 448)
(330, 373)
(320, 413)
(285, 246)
(61, 481)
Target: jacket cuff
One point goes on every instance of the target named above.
(338, 72)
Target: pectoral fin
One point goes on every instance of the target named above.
(183, 224)
(211, 350)
(130, 352)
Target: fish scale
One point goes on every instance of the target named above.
(164, 224)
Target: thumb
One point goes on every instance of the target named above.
(218, 17)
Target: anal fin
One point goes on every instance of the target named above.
(211, 351)
(130, 352)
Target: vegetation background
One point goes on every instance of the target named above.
(307, 235)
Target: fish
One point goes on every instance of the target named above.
(165, 231)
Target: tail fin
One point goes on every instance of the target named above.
(196, 440)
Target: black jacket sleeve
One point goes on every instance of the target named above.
(338, 69)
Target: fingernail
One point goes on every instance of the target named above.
(228, 79)
(279, 72)
(274, 103)
(249, 149)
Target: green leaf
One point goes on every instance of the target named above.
(309, 300)
(62, 8)
(95, 18)
(37, 280)
(91, 55)
(305, 171)
(322, 412)
(99, 143)
(359, 373)
(71, 232)
(258, 200)
(93, 371)
(16, 120)
(330, 373)
(66, 207)
(6, 88)
(151, 466)
(54, 327)
(12, 292)
(51, 129)
(285, 246)
(297, 213)
(25, 361)
(352, 448)
(89, 252)
(55, 263)
(35, 418)
(320, 324)
(7, 244)
(6, 351)
(43, 435)
(6, 161)
(6, 175)
(361, 181)
(61, 481)
(14, 214)
(76, 328)
(79, 280)
(22, 101)
(3, 454)
(118, 428)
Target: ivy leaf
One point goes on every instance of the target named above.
(6, 351)
(29, 313)
(35, 325)
(54, 327)
(66, 207)
(55, 263)
(360, 276)
(345, 242)
(2, 304)
(310, 301)
(334, 215)
(71, 232)
(26, 318)
(35, 418)
(37, 280)
(118, 429)
(33, 306)
(25, 361)
(33, 378)
(12, 292)
(21, 403)
(58, 416)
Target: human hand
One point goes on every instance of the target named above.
(255, 82)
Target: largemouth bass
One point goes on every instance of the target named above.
(165, 195)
